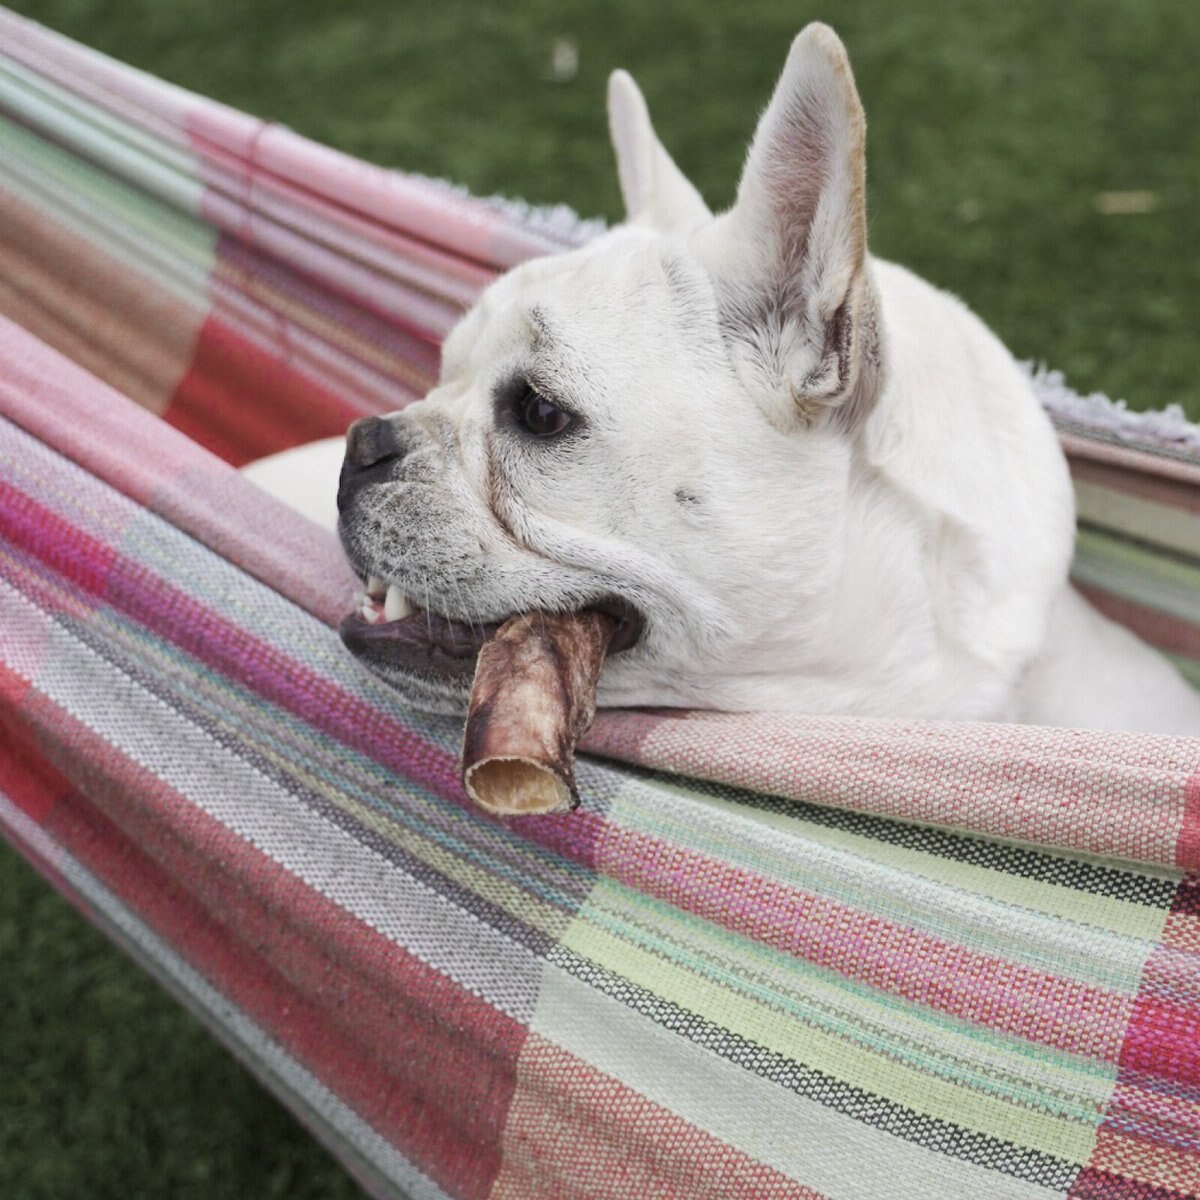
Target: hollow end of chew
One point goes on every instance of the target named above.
(513, 786)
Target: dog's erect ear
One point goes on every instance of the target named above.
(655, 190)
(790, 257)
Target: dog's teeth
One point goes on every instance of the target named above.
(376, 586)
(396, 606)
(371, 613)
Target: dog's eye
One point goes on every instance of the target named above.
(538, 416)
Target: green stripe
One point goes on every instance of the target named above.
(354, 783)
(1189, 668)
(1137, 518)
(859, 1038)
(1168, 583)
(126, 151)
(1128, 918)
(868, 875)
(177, 250)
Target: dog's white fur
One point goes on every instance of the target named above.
(825, 483)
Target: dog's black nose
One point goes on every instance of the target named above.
(373, 446)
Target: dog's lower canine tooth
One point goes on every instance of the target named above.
(396, 606)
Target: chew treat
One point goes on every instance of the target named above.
(533, 698)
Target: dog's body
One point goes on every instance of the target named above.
(808, 479)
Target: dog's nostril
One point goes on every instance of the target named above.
(373, 444)
(371, 441)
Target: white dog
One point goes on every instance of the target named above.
(804, 478)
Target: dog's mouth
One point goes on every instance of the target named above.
(387, 629)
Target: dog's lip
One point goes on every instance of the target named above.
(630, 622)
(424, 643)
(420, 643)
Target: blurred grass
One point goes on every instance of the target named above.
(994, 132)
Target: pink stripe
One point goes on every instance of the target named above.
(1094, 1184)
(1150, 1131)
(1136, 459)
(141, 99)
(349, 233)
(465, 226)
(416, 312)
(1111, 794)
(173, 614)
(432, 214)
(327, 364)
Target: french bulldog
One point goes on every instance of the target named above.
(801, 477)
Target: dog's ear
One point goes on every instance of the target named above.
(655, 190)
(790, 258)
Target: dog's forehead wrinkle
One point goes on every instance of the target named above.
(543, 333)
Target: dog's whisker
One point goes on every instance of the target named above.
(465, 608)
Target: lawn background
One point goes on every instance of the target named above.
(996, 132)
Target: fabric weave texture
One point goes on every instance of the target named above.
(769, 956)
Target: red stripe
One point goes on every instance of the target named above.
(1139, 483)
(26, 778)
(1163, 1039)
(1139, 1153)
(242, 403)
(428, 1064)
(175, 615)
(99, 571)
(13, 688)
(41, 532)
(1100, 1185)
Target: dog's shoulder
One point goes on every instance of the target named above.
(305, 478)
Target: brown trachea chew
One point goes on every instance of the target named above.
(533, 698)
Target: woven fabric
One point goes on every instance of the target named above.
(768, 956)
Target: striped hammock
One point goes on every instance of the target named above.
(770, 956)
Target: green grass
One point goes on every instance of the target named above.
(993, 130)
